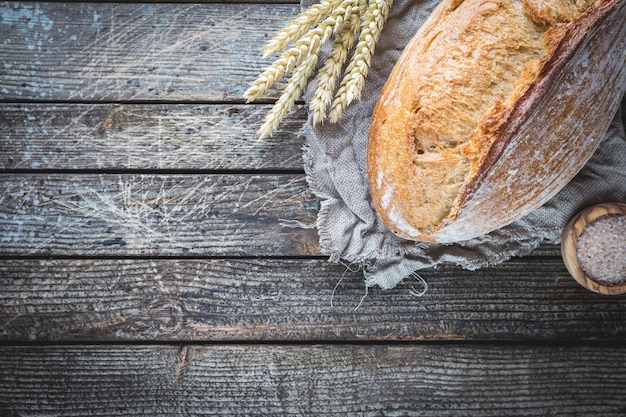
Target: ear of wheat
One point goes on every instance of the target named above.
(341, 22)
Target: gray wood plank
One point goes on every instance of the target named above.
(156, 215)
(65, 300)
(271, 380)
(159, 215)
(183, 1)
(134, 51)
(136, 136)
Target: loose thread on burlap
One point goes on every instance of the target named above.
(422, 281)
(343, 275)
(347, 268)
(362, 298)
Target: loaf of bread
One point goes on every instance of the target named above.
(492, 108)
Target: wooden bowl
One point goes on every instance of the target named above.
(571, 235)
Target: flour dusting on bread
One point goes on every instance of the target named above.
(438, 116)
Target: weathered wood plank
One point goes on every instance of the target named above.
(131, 136)
(184, 1)
(269, 380)
(155, 215)
(279, 299)
(158, 215)
(134, 51)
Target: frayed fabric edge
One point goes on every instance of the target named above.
(321, 223)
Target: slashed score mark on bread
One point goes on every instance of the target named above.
(468, 136)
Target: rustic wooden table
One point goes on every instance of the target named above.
(144, 269)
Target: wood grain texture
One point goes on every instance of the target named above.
(270, 380)
(292, 299)
(137, 208)
(140, 136)
(134, 51)
(156, 215)
(183, 1)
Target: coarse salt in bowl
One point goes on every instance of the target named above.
(594, 248)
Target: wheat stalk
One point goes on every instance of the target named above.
(286, 101)
(328, 74)
(298, 27)
(354, 78)
(307, 45)
(308, 32)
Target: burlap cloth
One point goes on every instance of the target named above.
(349, 229)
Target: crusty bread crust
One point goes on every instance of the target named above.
(492, 108)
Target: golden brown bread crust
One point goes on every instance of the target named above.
(525, 126)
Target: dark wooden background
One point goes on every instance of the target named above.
(145, 270)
